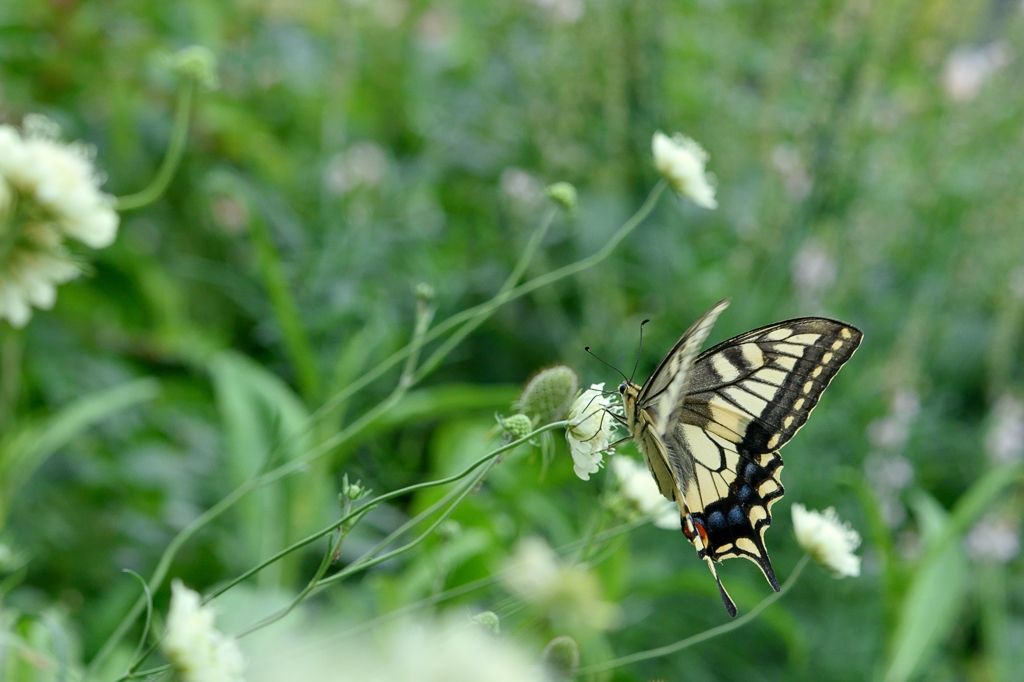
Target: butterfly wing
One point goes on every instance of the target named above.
(746, 398)
(664, 390)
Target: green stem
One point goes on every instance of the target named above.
(341, 396)
(489, 306)
(369, 563)
(175, 150)
(377, 501)
(704, 636)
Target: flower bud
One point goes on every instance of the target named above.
(489, 621)
(425, 292)
(352, 492)
(564, 193)
(561, 657)
(549, 393)
(197, 63)
(517, 426)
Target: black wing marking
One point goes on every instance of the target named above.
(759, 388)
(747, 397)
(727, 495)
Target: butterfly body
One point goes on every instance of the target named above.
(710, 426)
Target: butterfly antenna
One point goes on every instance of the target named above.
(637, 363)
(587, 348)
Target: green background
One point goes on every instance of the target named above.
(355, 149)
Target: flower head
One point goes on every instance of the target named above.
(49, 192)
(446, 649)
(682, 161)
(194, 646)
(569, 593)
(828, 540)
(548, 394)
(590, 428)
(637, 486)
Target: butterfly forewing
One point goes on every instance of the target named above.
(713, 423)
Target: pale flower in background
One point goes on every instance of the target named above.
(790, 165)
(589, 430)
(994, 538)
(638, 486)
(364, 164)
(562, 11)
(49, 191)
(1004, 442)
(195, 648)
(453, 649)
(813, 269)
(967, 69)
(828, 540)
(681, 161)
(60, 179)
(537, 575)
(521, 186)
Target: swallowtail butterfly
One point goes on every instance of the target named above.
(710, 426)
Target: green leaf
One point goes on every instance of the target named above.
(24, 450)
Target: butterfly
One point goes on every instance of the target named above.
(710, 426)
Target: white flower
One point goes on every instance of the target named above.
(828, 540)
(568, 593)
(813, 269)
(533, 570)
(194, 646)
(1005, 439)
(60, 178)
(32, 279)
(590, 428)
(450, 649)
(49, 191)
(994, 538)
(638, 486)
(681, 161)
(967, 69)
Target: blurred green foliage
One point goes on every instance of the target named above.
(869, 165)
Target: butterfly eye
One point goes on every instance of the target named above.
(622, 387)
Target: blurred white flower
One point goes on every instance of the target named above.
(1017, 283)
(681, 161)
(568, 593)
(446, 650)
(520, 186)
(589, 430)
(562, 11)
(60, 179)
(790, 166)
(813, 270)
(361, 165)
(888, 475)
(892, 431)
(967, 68)
(828, 540)
(994, 538)
(196, 650)
(638, 486)
(49, 191)
(1004, 441)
